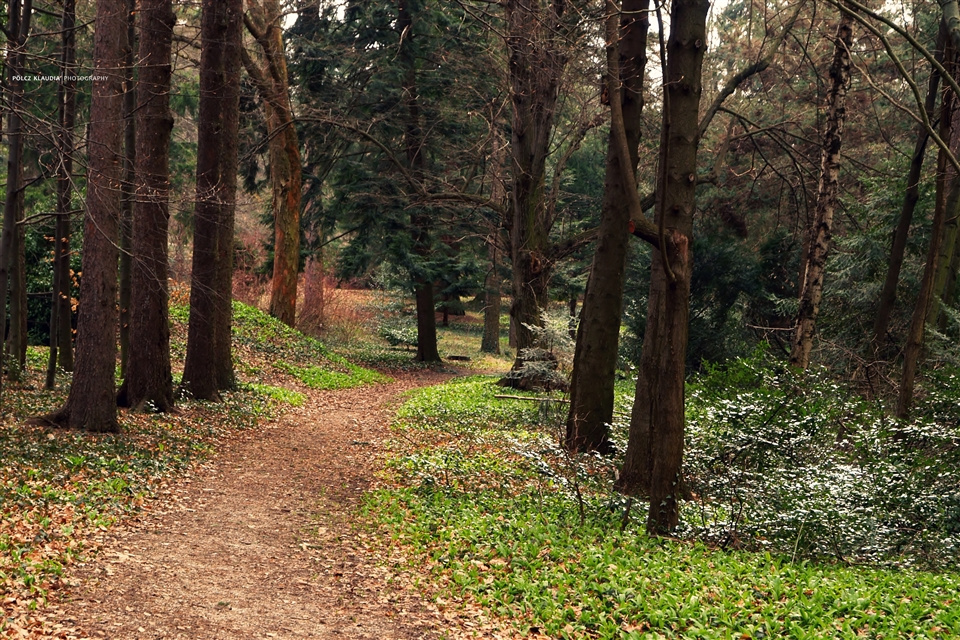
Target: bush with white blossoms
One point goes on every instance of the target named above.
(799, 464)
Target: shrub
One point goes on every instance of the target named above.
(799, 464)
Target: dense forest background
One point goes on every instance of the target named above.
(765, 193)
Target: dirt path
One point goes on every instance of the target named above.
(258, 544)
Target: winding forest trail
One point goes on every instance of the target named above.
(258, 543)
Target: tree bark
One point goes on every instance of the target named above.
(490, 343)
(229, 161)
(92, 403)
(208, 339)
(263, 22)
(655, 448)
(921, 313)
(537, 58)
(898, 245)
(947, 207)
(420, 223)
(127, 188)
(18, 27)
(149, 382)
(17, 336)
(61, 333)
(493, 298)
(598, 334)
(811, 291)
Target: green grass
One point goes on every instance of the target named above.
(323, 378)
(280, 395)
(479, 492)
(461, 338)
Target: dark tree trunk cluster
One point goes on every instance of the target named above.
(209, 365)
(148, 382)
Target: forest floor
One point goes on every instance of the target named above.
(261, 542)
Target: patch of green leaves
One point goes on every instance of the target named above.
(322, 378)
(480, 492)
(280, 394)
(528, 559)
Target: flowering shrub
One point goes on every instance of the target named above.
(799, 464)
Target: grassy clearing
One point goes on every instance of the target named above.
(378, 329)
(59, 489)
(479, 491)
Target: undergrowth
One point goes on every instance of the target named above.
(479, 490)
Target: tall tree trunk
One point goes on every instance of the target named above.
(263, 22)
(490, 343)
(537, 57)
(92, 402)
(149, 382)
(921, 313)
(811, 291)
(947, 207)
(229, 161)
(944, 275)
(208, 339)
(655, 448)
(17, 337)
(595, 357)
(61, 334)
(420, 223)
(127, 188)
(18, 27)
(950, 292)
(492, 308)
(888, 295)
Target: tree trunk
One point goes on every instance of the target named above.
(921, 313)
(491, 308)
(127, 189)
(598, 333)
(264, 23)
(208, 340)
(811, 291)
(149, 382)
(655, 447)
(61, 334)
(950, 293)
(312, 312)
(947, 207)
(420, 223)
(229, 160)
(888, 295)
(17, 337)
(493, 298)
(426, 323)
(92, 402)
(18, 27)
(537, 58)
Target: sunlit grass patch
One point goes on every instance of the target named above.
(317, 377)
(471, 403)
(280, 394)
